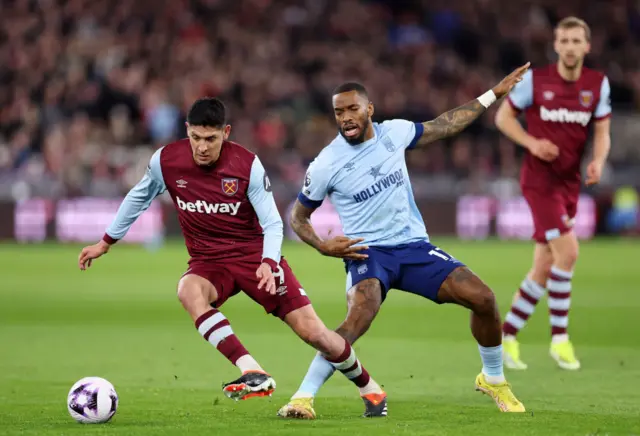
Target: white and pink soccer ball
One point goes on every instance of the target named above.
(92, 400)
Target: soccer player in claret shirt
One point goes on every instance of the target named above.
(561, 102)
(233, 233)
(364, 173)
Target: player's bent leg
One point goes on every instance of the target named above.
(363, 301)
(565, 255)
(532, 289)
(196, 295)
(338, 352)
(542, 263)
(466, 289)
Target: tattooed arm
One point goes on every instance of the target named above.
(300, 222)
(340, 246)
(451, 123)
(456, 120)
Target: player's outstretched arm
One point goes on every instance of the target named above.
(340, 246)
(456, 120)
(137, 201)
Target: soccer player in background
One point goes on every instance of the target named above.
(560, 101)
(364, 173)
(233, 233)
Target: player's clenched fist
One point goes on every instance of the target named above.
(344, 248)
(91, 252)
(544, 149)
(503, 88)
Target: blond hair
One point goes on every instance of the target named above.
(573, 23)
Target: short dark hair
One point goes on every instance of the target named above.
(573, 23)
(209, 112)
(351, 86)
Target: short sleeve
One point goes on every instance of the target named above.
(404, 132)
(521, 96)
(603, 110)
(316, 184)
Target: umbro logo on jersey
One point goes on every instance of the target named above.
(181, 183)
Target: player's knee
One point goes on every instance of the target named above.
(567, 260)
(484, 301)
(185, 293)
(190, 290)
(565, 251)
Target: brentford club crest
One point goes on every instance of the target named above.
(230, 186)
(586, 98)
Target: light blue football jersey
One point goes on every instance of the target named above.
(368, 184)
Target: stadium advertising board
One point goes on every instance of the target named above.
(478, 217)
(473, 217)
(84, 219)
(79, 220)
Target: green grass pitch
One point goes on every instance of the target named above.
(121, 320)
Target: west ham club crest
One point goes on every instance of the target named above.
(230, 186)
(586, 98)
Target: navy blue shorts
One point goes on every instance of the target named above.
(419, 268)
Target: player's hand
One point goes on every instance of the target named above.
(344, 248)
(594, 173)
(503, 88)
(265, 275)
(544, 149)
(91, 252)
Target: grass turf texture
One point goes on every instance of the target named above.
(122, 321)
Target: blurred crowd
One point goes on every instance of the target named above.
(89, 88)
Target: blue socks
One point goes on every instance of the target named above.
(319, 372)
(492, 364)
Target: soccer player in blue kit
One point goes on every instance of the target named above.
(364, 173)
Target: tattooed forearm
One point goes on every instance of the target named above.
(300, 221)
(452, 122)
